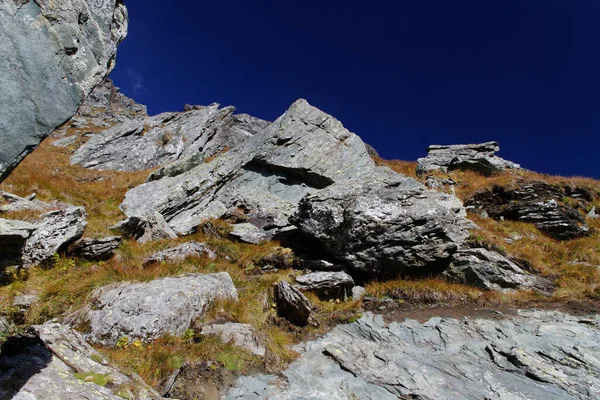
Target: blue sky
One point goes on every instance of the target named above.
(401, 74)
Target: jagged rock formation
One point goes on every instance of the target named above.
(147, 311)
(54, 54)
(54, 232)
(145, 229)
(145, 143)
(180, 253)
(328, 285)
(106, 104)
(476, 157)
(538, 355)
(492, 271)
(52, 361)
(383, 227)
(536, 202)
(96, 249)
(13, 236)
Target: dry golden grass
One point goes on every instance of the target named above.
(408, 168)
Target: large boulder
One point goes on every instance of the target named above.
(13, 236)
(146, 311)
(51, 361)
(385, 227)
(476, 157)
(52, 54)
(536, 355)
(150, 142)
(55, 231)
(265, 177)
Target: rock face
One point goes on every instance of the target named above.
(291, 304)
(491, 271)
(242, 335)
(476, 157)
(52, 54)
(52, 361)
(385, 227)
(180, 253)
(55, 231)
(107, 103)
(148, 310)
(13, 235)
(538, 355)
(145, 143)
(97, 249)
(538, 203)
(331, 285)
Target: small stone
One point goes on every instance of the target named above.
(96, 249)
(329, 285)
(593, 214)
(180, 253)
(249, 233)
(153, 227)
(358, 292)
(292, 304)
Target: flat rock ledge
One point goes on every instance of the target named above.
(537, 355)
(146, 311)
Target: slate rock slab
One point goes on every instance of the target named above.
(292, 304)
(180, 253)
(147, 311)
(537, 355)
(52, 54)
(330, 285)
(96, 249)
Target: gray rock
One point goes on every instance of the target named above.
(26, 301)
(96, 249)
(51, 361)
(330, 285)
(55, 231)
(146, 229)
(358, 292)
(292, 304)
(180, 253)
(147, 311)
(13, 235)
(371, 151)
(242, 335)
(106, 102)
(385, 226)
(477, 157)
(266, 175)
(593, 214)
(538, 355)
(14, 203)
(177, 168)
(492, 271)
(52, 54)
(65, 142)
(249, 233)
(145, 143)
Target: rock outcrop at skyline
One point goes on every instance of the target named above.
(52, 54)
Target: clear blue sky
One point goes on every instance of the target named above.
(402, 74)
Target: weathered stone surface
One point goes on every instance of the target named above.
(146, 229)
(331, 285)
(292, 304)
(65, 142)
(52, 54)
(535, 202)
(177, 168)
(147, 311)
(492, 271)
(538, 355)
(242, 335)
(13, 203)
(249, 233)
(55, 231)
(96, 249)
(593, 214)
(385, 226)
(52, 361)
(476, 157)
(156, 141)
(358, 292)
(266, 175)
(107, 103)
(13, 235)
(180, 253)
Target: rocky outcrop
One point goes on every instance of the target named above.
(13, 236)
(146, 229)
(52, 55)
(106, 103)
(328, 285)
(537, 355)
(13, 203)
(180, 253)
(96, 249)
(535, 202)
(52, 361)
(54, 232)
(146, 143)
(241, 335)
(492, 271)
(146, 311)
(475, 157)
(385, 227)
(292, 304)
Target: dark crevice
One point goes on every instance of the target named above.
(292, 176)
